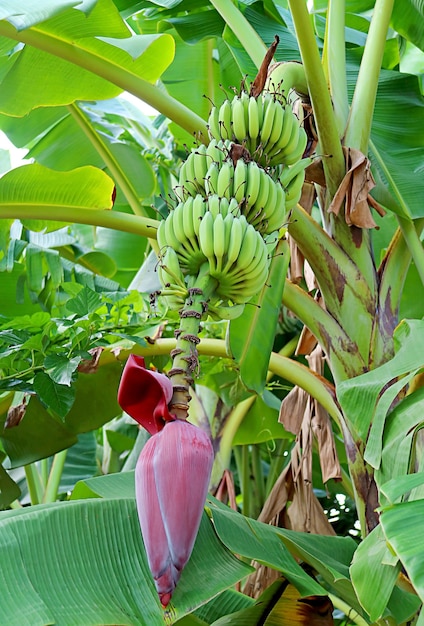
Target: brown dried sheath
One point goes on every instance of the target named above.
(258, 84)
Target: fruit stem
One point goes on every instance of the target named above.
(185, 358)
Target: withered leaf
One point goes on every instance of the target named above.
(16, 414)
(354, 191)
(258, 84)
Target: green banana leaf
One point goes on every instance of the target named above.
(101, 36)
(360, 396)
(39, 434)
(83, 563)
(251, 336)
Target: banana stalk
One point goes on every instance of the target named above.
(185, 360)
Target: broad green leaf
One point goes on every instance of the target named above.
(261, 542)
(98, 263)
(100, 41)
(372, 577)
(23, 15)
(106, 570)
(359, 396)
(402, 426)
(39, 435)
(227, 602)
(60, 369)
(34, 265)
(36, 186)
(261, 422)
(87, 301)
(9, 490)
(57, 397)
(80, 462)
(119, 485)
(251, 335)
(408, 21)
(400, 485)
(330, 556)
(400, 523)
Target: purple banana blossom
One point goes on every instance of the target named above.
(145, 395)
(171, 484)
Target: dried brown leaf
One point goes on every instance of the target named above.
(354, 190)
(15, 414)
(89, 366)
(258, 84)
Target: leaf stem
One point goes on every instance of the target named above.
(329, 141)
(94, 217)
(244, 32)
(335, 56)
(410, 231)
(56, 471)
(362, 108)
(347, 610)
(111, 163)
(35, 486)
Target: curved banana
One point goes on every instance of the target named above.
(240, 180)
(225, 180)
(294, 190)
(224, 119)
(206, 236)
(213, 124)
(219, 241)
(211, 178)
(254, 122)
(236, 239)
(253, 182)
(266, 128)
(200, 163)
(288, 173)
(277, 128)
(297, 153)
(276, 220)
(239, 121)
(199, 210)
(214, 205)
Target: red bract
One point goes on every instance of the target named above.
(145, 395)
(171, 483)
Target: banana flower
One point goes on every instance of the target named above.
(171, 477)
(145, 395)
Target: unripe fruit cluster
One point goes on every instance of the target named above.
(233, 198)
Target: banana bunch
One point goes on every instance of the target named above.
(267, 127)
(211, 230)
(260, 198)
(193, 171)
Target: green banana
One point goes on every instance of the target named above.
(236, 239)
(206, 236)
(224, 118)
(239, 121)
(293, 190)
(268, 121)
(288, 173)
(253, 182)
(297, 153)
(254, 121)
(213, 124)
(211, 178)
(219, 240)
(225, 180)
(240, 180)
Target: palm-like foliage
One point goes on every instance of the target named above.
(73, 254)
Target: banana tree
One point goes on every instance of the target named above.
(71, 318)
